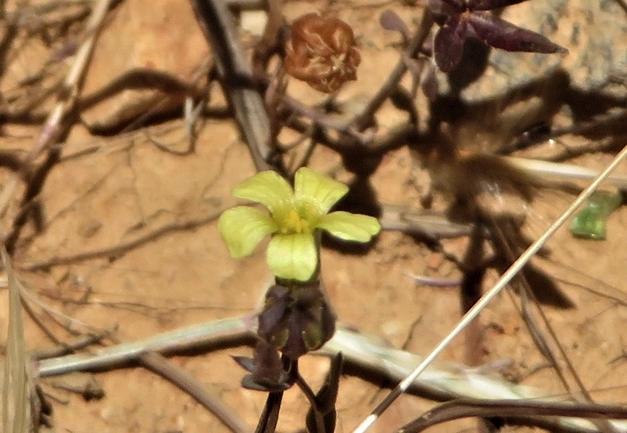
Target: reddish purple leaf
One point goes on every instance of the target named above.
(266, 369)
(446, 7)
(413, 65)
(487, 5)
(245, 362)
(499, 33)
(429, 82)
(449, 43)
(391, 21)
(459, 19)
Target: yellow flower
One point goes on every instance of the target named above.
(295, 216)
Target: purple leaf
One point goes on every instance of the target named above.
(245, 362)
(486, 5)
(429, 83)
(449, 43)
(413, 65)
(446, 7)
(499, 33)
(457, 4)
(273, 311)
(266, 369)
(391, 21)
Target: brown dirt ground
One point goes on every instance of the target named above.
(124, 187)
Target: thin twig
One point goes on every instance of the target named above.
(67, 97)
(364, 118)
(191, 118)
(190, 385)
(561, 170)
(66, 348)
(120, 249)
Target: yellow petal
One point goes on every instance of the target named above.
(243, 227)
(350, 227)
(293, 257)
(310, 185)
(267, 188)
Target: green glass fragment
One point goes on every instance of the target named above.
(591, 221)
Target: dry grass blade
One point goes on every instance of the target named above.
(15, 402)
(510, 408)
(74, 77)
(562, 171)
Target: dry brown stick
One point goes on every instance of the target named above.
(270, 38)
(40, 324)
(236, 77)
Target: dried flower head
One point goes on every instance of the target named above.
(297, 319)
(322, 52)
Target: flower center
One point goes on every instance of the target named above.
(294, 223)
(337, 62)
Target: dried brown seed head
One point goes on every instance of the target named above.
(322, 52)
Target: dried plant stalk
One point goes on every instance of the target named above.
(15, 401)
(562, 171)
(444, 381)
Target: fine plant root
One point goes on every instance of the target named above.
(121, 249)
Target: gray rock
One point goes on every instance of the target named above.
(594, 32)
(504, 94)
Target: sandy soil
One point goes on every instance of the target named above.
(108, 191)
